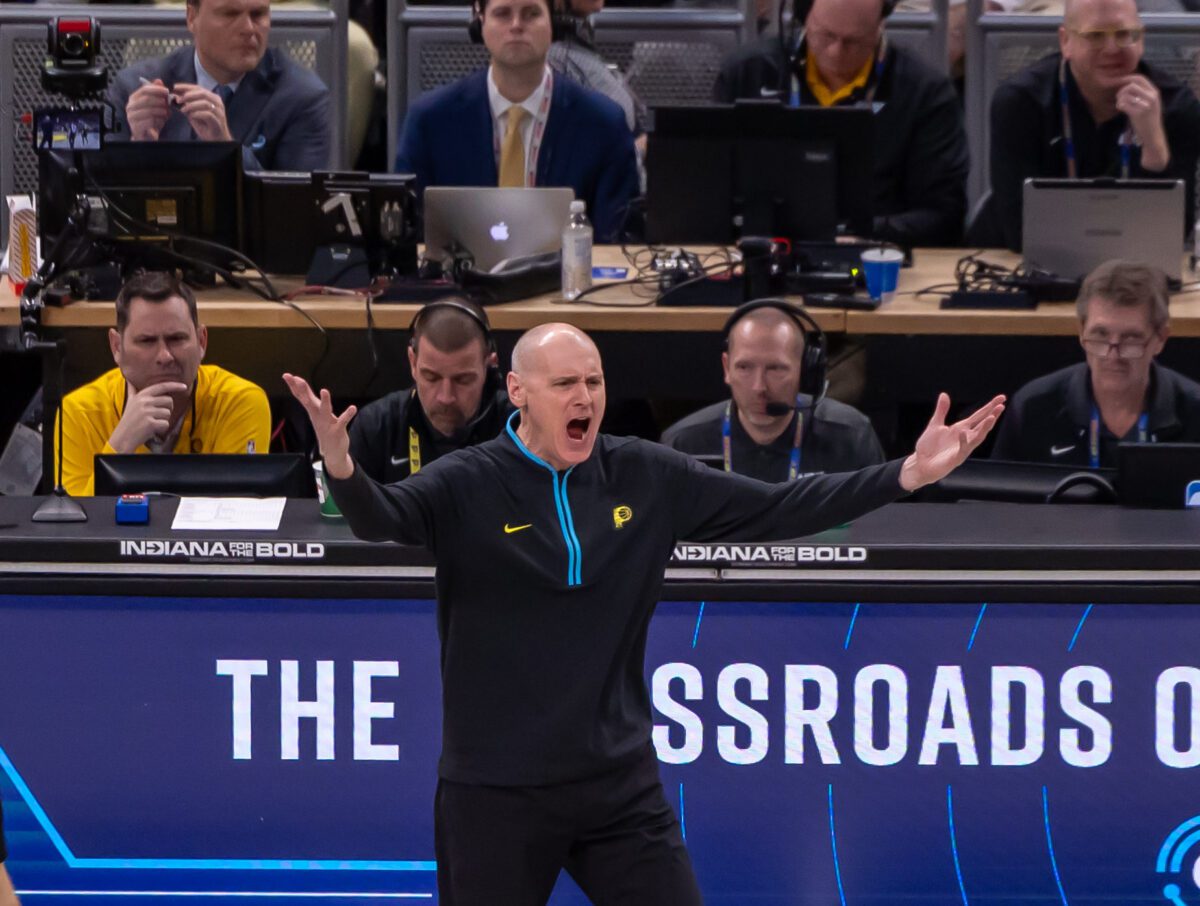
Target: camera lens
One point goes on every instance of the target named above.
(73, 44)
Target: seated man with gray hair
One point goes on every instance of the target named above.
(1078, 415)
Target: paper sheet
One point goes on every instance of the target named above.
(249, 514)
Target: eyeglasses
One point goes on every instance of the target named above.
(1126, 349)
(1122, 37)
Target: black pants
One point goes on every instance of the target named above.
(614, 834)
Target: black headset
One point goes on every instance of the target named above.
(475, 312)
(563, 24)
(815, 362)
(801, 9)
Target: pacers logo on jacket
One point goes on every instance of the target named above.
(621, 515)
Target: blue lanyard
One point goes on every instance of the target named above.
(793, 459)
(1143, 424)
(1124, 143)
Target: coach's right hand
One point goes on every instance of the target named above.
(147, 111)
(332, 436)
(147, 415)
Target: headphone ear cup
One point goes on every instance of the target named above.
(814, 366)
(475, 29)
(562, 26)
(800, 11)
(889, 7)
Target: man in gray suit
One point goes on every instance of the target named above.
(229, 87)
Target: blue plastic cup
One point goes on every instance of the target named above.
(881, 269)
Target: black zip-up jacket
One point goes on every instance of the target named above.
(921, 161)
(1027, 138)
(546, 582)
(1049, 418)
(379, 433)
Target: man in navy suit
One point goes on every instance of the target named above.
(564, 135)
(229, 87)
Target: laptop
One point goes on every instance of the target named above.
(1072, 225)
(494, 225)
(1162, 476)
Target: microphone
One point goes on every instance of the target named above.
(775, 410)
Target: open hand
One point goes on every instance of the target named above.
(942, 448)
(332, 436)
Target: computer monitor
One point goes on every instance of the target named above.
(290, 216)
(1161, 476)
(205, 474)
(718, 172)
(160, 188)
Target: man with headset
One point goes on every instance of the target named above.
(837, 53)
(551, 541)
(778, 424)
(1094, 109)
(517, 124)
(457, 398)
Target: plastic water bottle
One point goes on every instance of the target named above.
(576, 252)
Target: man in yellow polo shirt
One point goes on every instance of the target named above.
(838, 54)
(159, 398)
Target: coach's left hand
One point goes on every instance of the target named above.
(942, 448)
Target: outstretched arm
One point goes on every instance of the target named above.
(942, 448)
(332, 435)
(711, 505)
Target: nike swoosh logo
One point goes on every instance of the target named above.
(1059, 451)
(399, 460)
(769, 92)
(509, 529)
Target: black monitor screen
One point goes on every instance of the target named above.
(719, 172)
(205, 474)
(173, 188)
(376, 211)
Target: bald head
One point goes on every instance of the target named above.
(847, 11)
(539, 343)
(557, 383)
(842, 37)
(1076, 11)
(781, 328)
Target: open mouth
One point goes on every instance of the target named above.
(577, 428)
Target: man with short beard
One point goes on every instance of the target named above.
(457, 398)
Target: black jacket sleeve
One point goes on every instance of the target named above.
(403, 512)
(934, 184)
(1014, 156)
(711, 505)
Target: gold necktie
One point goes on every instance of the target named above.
(512, 152)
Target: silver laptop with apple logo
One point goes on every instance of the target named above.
(494, 225)
(1069, 226)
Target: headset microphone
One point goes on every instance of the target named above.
(775, 409)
